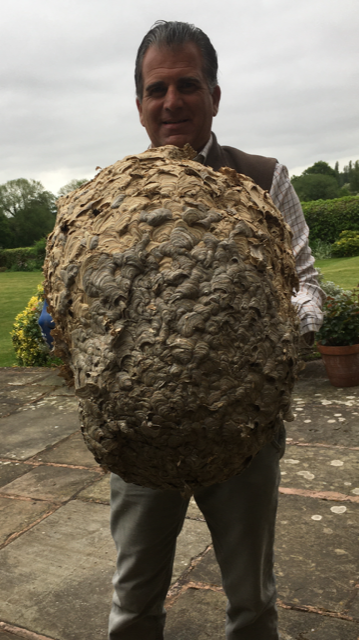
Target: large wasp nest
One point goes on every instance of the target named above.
(170, 285)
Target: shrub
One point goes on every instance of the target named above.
(315, 187)
(321, 250)
(330, 288)
(30, 348)
(347, 245)
(23, 258)
(341, 320)
(39, 248)
(328, 218)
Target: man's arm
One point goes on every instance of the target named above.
(309, 299)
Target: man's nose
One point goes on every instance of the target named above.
(173, 99)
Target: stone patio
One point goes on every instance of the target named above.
(57, 556)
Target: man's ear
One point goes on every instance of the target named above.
(216, 96)
(139, 107)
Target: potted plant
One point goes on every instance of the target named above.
(338, 338)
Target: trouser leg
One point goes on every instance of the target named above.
(241, 516)
(144, 525)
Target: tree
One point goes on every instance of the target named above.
(352, 173)
(348, 179)
(321, 182)
(71, 186)
(320, 168)
(315, 186)
(27, 212)
(6, 235)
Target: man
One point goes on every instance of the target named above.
(177, 98)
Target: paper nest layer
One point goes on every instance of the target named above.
(170, 285)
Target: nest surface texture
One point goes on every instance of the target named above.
(170, 285)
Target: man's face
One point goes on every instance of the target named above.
(177, 106)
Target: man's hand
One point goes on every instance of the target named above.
(308, 338)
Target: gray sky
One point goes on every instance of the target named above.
(289, 75)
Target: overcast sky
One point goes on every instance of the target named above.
(289, 75)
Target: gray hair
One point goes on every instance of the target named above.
(174, 34)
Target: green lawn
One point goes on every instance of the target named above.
(16, 289)
(341, 271)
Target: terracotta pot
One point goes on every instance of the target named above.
(342, 364)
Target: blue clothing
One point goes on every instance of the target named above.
(46, 325)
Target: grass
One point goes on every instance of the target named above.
(341, 271)
(16, 289)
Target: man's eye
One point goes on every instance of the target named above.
(156, 92)
(188, 86)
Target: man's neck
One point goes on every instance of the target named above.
(202, 155)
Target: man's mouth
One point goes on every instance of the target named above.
(174, 122)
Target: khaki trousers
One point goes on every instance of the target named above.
(240, 514)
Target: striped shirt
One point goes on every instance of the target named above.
(309, 299)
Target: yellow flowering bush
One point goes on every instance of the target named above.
(347, 245)
(29, 345)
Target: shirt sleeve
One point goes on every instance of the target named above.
(309, 299)
(46, 324)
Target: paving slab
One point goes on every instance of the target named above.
(353, 605)
(200, 611)
(322, 389)
(192, 541)
(71, 451)
(62, 391)
(315, 369)
(64, 565)
(60, 571)
(321, 469)
(23, 393)
(316, 552)
(17, 515)
(7, 407)
(10, 470)
(50, 483)
(4, 635)
(207, 570)
(324, 414)
(297, 625)
(97, 492)
(23, 375)
(311, 566)
(55, 403)
(197, 614)
(26, 433)
(52, 380)
(334, 424)
(193, 511)
(346, 398)
(14, 397)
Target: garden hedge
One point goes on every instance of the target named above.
(23, 258)
(328, 218)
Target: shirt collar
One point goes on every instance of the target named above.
(202, 155)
